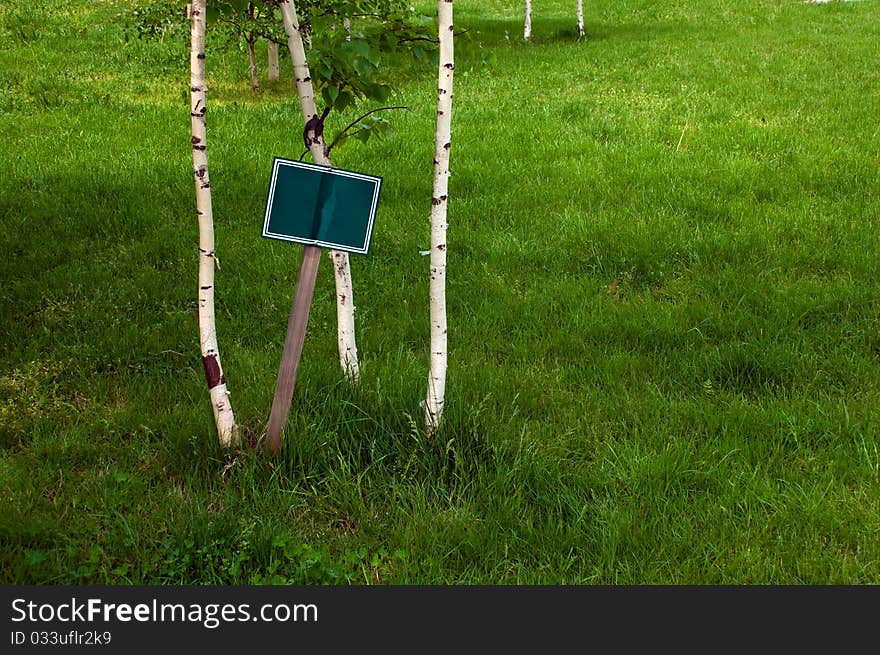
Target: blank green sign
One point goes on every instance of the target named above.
(321, 206)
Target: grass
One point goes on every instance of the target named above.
(663, 310)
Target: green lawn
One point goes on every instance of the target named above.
(663, 300)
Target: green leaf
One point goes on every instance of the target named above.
(363, 67)
(360, 47)
(330, 94)
(378, 92)
(344, 100)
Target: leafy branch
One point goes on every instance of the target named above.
(342, 135)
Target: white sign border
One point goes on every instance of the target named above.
(280, 161)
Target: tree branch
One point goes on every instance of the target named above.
(340, 136)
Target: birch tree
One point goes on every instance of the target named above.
(314, 139)
(527, 28)
(580, 17)
(436, 395)
(273, 69)
(227, 430)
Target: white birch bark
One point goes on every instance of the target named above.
(436, 395)
(527, 28)
(227, 430)
(348, 358)
(580, 17)
(274, 70)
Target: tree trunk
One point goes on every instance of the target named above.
(348, 358)
(252, 61)
(227, 430)
(274, 69)
(442, 144)
(527, 29)
(580, 17)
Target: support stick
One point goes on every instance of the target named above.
(293, 345)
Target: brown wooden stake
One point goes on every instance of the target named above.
(293, 345)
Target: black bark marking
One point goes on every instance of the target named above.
(341, 298)
(450, 66)
(441, 247)
(206, 185)
(213, 375)
(441, 91)
(447, 146)
(196, 139)
(205, 288)
(201, 55)
(313, 132)
(435, 201)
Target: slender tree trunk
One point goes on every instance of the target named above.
(435, 400)
(346, 24)
(227, 430)
(527, 29)
(348, 358)
(580, 17)
(274, 69)
(252, 61)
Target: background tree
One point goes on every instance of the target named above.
(272, 63)
(250, 20)
(527, 27)
(580, 17)
(227, 430)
